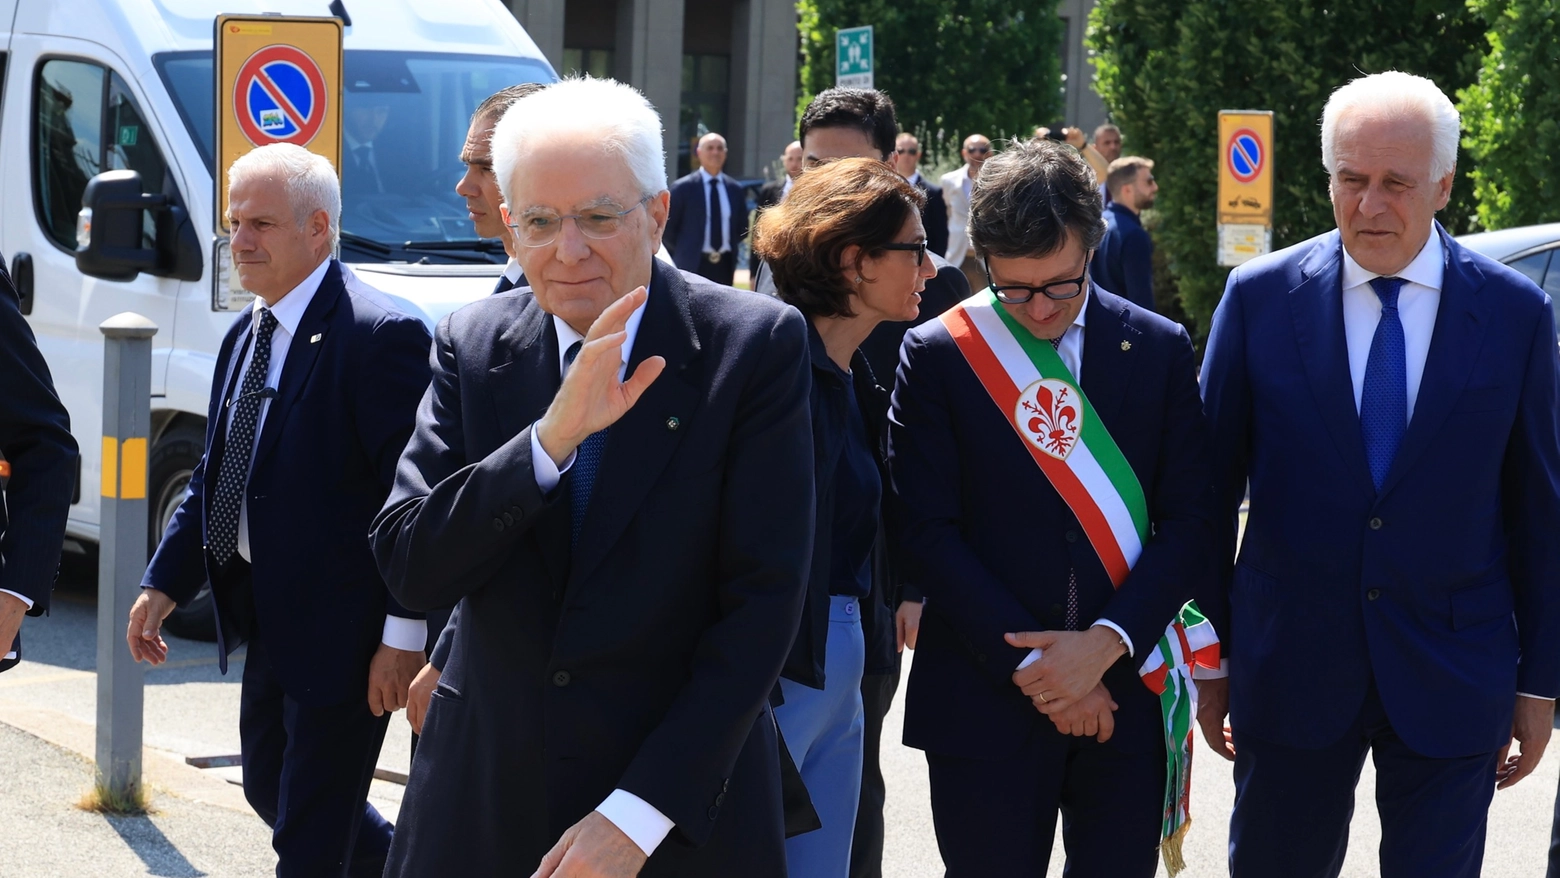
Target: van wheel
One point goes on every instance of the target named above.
(172, 463)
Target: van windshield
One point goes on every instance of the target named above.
(404, 123)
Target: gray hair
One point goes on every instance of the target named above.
(309, 178)
(1030, 198)
(597, 111)
(1396, 94)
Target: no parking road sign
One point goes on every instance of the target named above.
(1246, 155)
(278, 80)
(1245, 184)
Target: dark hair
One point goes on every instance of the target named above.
(1125, 170)
(867, 110)
(500, 101)
(1030, 198)
(851, 201)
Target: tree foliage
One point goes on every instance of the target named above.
(953, 69)
(1165, 71)
(1511, 115)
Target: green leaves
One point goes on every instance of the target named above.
(953, 69)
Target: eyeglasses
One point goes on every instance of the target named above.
(1018, 294)
(907, 150)
(978, 150)
(538, 228)
(917, 247)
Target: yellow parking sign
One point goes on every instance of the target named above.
(1246, 166)
(279, 80)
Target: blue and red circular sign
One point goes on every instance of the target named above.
(1245, 155)
(279, 97)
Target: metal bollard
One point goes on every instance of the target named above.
(127, 415)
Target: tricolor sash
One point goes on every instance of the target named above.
(1058, 426)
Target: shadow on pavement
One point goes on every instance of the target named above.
(143, 837)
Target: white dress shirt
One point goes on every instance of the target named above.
(1418, 301)
(1071, 352)
(786, 189)
(725, 211)
(399, 633)
(639, 820)
(513, 270)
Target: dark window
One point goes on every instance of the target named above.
(596, 62)
(706, 98)
(88, 123)
(1533, 265)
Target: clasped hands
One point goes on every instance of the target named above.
(592, 397)
(1065, 683)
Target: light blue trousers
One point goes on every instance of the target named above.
(824, 730)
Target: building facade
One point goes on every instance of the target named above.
(727, 66)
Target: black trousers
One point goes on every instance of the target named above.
(306, 773)
(722, 272)
(866, 848)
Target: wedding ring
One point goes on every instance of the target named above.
(1043, 699)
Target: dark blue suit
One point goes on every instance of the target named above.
(35, 439)
(1124, 261)
(1392, 620)
(643, 658)
(311, 604)
(685, 220)
(990, 543)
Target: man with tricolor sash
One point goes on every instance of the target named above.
(1049, 452)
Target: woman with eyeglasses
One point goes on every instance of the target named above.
(847, 250)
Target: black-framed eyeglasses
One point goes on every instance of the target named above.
(538, 228)
(907, 150)
(1059, 291)
(917, 247)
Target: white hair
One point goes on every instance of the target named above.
(310, 180)
(1395, 94)
(587, 110)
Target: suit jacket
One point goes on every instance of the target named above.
(958, 206)
(1440, 587)
(769, 195)
(990, 541)
(1124, 261)
(35, 439)
(323, 466)
(687, 216)
(934, 215)
(642, 659)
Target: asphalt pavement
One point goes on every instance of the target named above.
(203, 826)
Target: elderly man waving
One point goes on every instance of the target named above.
(613, 469)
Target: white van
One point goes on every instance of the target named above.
(101, 85)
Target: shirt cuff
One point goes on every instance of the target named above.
(8, 656)
(1034, 656)
(548, 474)
(1201, 673)
(637, 819)
(1119, 630)
(1539, 697)
(408, 634)
(24, 599)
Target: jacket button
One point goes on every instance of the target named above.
(1375, 524)
(498, 524)
(1373, 594)
(713, 812)
(1072, 536)
(508, 519)
(516, 512)
(725, 785)
(561, 679)
(720, 799)
(981, 657)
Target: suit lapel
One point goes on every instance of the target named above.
(1454, 348)
(1316, 306)
(301, 356)
(642, 442)
(1108, 356)
(521, 389)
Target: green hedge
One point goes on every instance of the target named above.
(1165, 71)
(953, 69)
(1511, 116)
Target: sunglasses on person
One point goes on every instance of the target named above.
(978, 150)
(1058, 291)
(917, 247)
(908, 150)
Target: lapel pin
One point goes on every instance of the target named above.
(316, 337)
(672, 424)
(1126, 345)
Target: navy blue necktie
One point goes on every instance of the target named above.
(1384, 399)
(587, 459)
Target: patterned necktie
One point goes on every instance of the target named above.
(1071, 623)
(1384, 399)
(240, 446)
(587, 459)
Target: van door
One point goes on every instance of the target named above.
(78, 115)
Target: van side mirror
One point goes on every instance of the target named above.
(108, 232)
